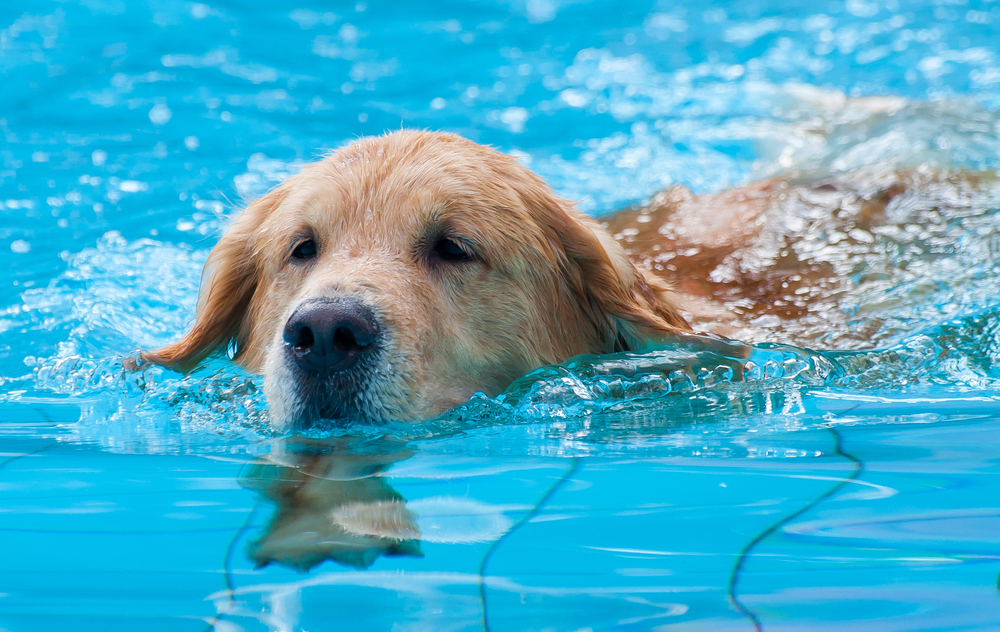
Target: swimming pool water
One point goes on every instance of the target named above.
(850, 485)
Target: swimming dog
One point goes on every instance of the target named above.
(402, 274)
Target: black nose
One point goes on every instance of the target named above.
(329, 335)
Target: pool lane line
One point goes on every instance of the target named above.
(734, 576)
(549, 493)
(230, 589)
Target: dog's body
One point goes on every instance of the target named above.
(774, 258)
(402, 274)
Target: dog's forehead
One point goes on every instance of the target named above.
(400, 181)
(395, 167)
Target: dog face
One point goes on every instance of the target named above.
(402, 274)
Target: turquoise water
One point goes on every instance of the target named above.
(852, 486)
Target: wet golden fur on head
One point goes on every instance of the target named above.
(544, 281)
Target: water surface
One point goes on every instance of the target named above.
(847, 485)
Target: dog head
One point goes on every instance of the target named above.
(404, 273)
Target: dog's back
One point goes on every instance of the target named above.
(788, 261)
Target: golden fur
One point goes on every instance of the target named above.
(547, 283)
(782, 251)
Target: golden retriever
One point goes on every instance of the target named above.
(402, 274)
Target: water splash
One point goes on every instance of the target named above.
(714, 125)
(122, 295)
(112, 300)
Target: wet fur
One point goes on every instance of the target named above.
(549, 283)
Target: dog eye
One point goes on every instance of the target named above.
(450, 250)
(304, 251)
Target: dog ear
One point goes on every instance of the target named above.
(228, 283)
(635, 309)
(627, 308)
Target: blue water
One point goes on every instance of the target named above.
(850, 486)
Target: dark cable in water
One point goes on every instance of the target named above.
(36, 451)
(574, 465)
(228, 571)
(734, 576)
(997, 585)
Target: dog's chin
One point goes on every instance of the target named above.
(324, 413)
(302, 401)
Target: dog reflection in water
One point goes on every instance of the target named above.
(331, 504)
